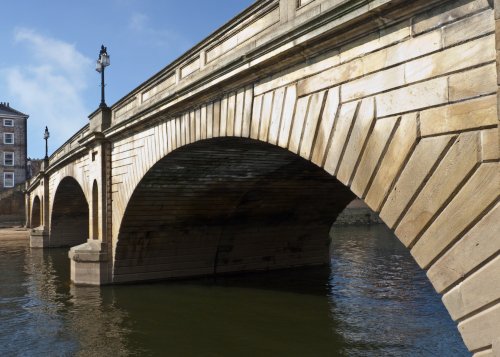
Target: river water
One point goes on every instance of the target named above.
(372, 300)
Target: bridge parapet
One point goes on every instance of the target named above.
(69, 147)
(282, 32)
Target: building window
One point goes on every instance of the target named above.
(8, 122)
(8, 158)
(8, 138)
(8, 179)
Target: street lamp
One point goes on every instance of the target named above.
(101, 64)
(46, 136)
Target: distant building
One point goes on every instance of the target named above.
(13, 147)
(33, 167)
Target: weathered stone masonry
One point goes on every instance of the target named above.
(394, 101)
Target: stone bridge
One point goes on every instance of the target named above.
(239, 155)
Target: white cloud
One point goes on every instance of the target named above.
(49, 87)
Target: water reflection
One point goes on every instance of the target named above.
(69, 320)
(384, 301)
(372, 301)
(96, 321)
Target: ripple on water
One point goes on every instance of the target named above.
(372, 301)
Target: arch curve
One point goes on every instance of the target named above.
(227, 205)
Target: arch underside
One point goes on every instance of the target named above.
(36, 213)
(227, 205)
(70, 215)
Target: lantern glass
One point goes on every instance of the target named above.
(105, 60)
(98, 66)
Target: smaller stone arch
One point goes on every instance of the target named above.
(69, 225)
(36, 212)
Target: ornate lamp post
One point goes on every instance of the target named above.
(101, 64)
(46, 136)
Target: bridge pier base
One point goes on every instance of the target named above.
(39, 238)
(89, 263)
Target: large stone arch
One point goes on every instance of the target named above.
(436, 189)
(69, 215)
(227, 205)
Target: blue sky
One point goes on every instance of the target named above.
(48, 51)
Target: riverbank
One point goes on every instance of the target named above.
(357, 213)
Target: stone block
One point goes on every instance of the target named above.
(476, 113)
(401, 145)
(223, 116)
(298, 72)
(490, 144)
(326, 125)
(496, 344)
(373, 83)
(210, 120)
(203, 121)
(169, 136)
(401, 52)
(197, 120)
(395, 33)
(287, 116)
(371, 156)
(478, 290)
(265, 115)
(482, 329)
(470, 27)
(364, 45)
(469, 204)
(450, 12)
(247, 112)
(422, 160)
(358, 137)
(473, 83)
(298, 123)
(216, 131)
(375, 41)
(331, 77)
(238, 112)
(412, 48)
(311, 123)
(279, 99)
(346, 116)
(257, 108)
(178, 131)
(458, 162)
(456, 58)
(231, 110)
(497, 34)
(414, 97)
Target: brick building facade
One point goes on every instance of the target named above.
(13, 147)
